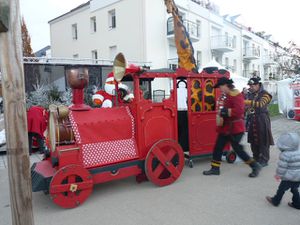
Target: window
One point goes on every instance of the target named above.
(94, 54)
(112, 19)
(74, 31)
(198, 28)
(199, 58)
(227, 62)
(112, 52)
(157, 89)
(226, 39)
(75, 56)
(234, 65)
(234, 41)
(93, 24)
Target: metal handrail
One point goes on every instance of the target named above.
(191, 27)
(77, 61)
(250, 51)
(222, 41)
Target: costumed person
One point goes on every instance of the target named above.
(230, 128)
(105, 98)
(37, 124)
(288, 170)
(259, 124)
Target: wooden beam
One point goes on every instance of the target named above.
(11, 65)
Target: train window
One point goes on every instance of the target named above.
(126, 88)
(156, 89)
(182, 95)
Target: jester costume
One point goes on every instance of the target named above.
(259, 124)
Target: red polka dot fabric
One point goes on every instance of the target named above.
(99, 147)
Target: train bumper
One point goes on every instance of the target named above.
(41, 175)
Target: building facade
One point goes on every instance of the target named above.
(143, 31)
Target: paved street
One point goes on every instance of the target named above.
(229, 199)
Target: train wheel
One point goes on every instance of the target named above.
(164, 162)
(71, 186)
(231, 157)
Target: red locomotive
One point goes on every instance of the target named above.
(147, 136)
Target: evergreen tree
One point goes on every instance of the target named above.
(26, 40)
(39, 97)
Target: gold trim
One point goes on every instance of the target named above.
(73, 187)
(70, 149)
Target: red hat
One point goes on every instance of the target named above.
(110, 78)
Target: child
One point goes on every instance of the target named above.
(288, 170)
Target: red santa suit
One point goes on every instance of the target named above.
(105, 97)
(37, 120)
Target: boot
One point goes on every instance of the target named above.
(215, 168)
(212, 171)
(270, 200)
(256, 168)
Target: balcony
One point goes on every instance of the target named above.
(250, 73)
(269, 60)
(251, 53)
(173, 63)
(191, 27)
(222, 43)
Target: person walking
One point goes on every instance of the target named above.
(259, 124)
(231, 129)
(288, 170)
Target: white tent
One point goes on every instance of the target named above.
(285, 95)
(239, 81)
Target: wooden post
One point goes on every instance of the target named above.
(15, 113)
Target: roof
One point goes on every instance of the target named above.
(72, 10)
(42, 52)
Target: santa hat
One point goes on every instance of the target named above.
(97, 99)
(110, 78)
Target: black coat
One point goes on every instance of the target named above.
(259, 124)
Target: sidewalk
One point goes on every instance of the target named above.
(229, 199)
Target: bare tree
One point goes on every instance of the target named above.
(288, 58)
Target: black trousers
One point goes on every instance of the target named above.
(283, 187)
(261, 153)
(234, 140)
(39, 139)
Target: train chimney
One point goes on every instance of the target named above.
(78, 79)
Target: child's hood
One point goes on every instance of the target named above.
(288, 142)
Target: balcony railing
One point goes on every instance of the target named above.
(222, 43)
(251, 53)
(250, 73)
(269, 60)
(78, 61)
(173, 63)
(191, 27)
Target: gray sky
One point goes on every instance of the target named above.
(279, 18)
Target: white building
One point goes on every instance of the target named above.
(143, 31)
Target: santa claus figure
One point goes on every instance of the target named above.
(104, 98)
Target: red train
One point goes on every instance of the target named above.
(145, 137)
